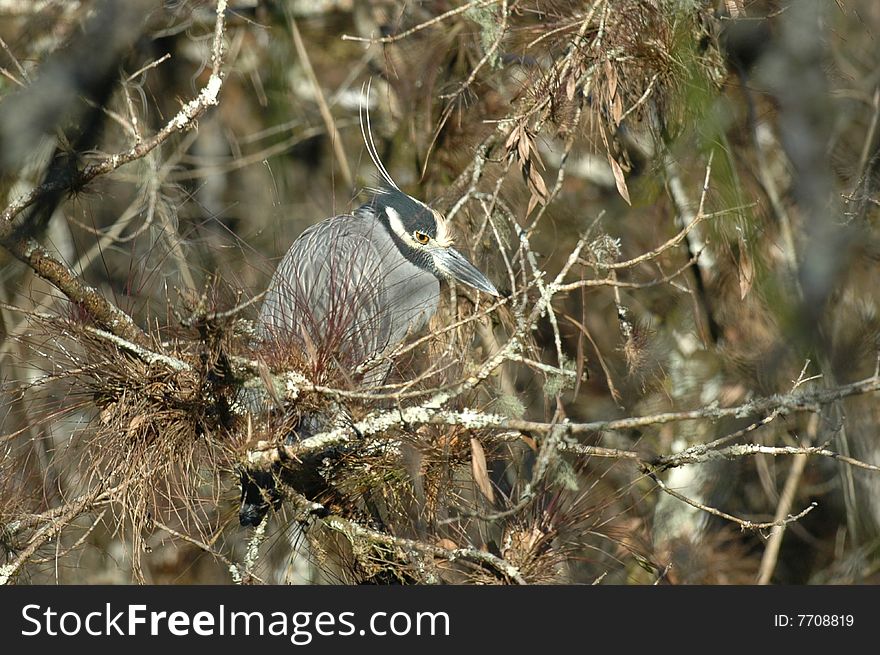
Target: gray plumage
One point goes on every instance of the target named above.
(355, 285)
(344, 292)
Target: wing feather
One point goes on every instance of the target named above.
(327, 290)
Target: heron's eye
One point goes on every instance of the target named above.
(421, 237)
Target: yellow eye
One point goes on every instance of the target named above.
(421, 237)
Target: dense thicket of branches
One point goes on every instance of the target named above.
(678, 198)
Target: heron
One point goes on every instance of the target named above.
(351, 288)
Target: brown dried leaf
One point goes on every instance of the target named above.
(533, 202)
(137, 422)
(523, 147)
(536, 182)
(481, 470)
(535, 153)
(619, 179)
(617, 109)
(611, 76)
(514, 136)
(745, 270)
(108, 413)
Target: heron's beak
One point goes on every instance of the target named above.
(454, 265)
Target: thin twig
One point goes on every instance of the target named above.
(326, 114)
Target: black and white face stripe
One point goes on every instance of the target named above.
(423, 238)
(405, 214)
(395, 222)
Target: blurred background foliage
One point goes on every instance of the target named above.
(777, 284)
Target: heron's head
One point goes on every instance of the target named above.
(424, 237)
